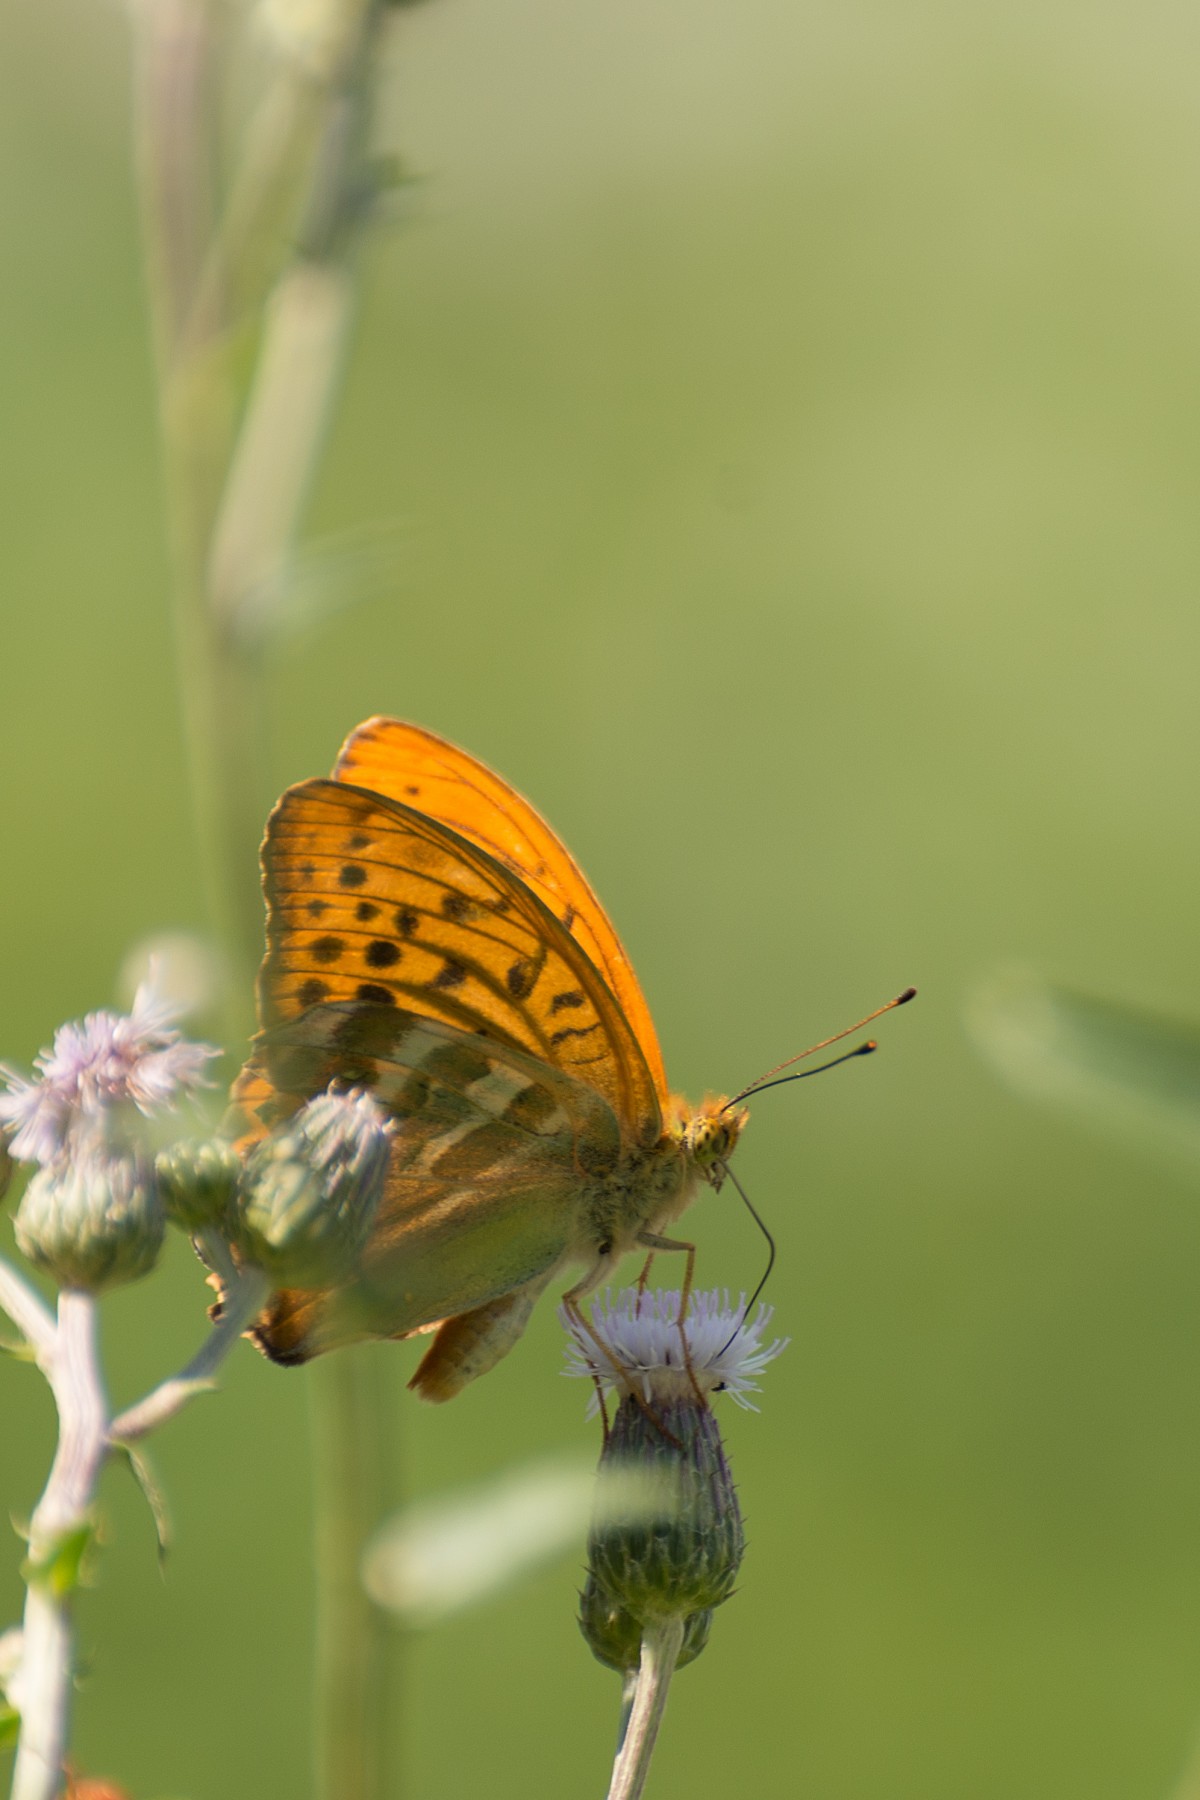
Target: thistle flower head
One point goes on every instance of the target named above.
(309, 1192)
(635, 1346)
(94, 1066)
(681, 1561)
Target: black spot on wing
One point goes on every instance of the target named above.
(316, 907)
(521, 977)
(407, 921)
(569, 1031)
(365, 910)
(563, 1002)
(327, 949)
(382, 953)
(452, 974)
(352, 875)
(372, 994)
(312, 992)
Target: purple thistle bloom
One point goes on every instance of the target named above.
(94, 1065)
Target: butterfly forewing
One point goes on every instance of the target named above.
(371, 902)
(424, 771)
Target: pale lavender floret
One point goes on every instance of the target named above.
(94, 1064)
(642, 1332)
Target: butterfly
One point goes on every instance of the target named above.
(431, 940)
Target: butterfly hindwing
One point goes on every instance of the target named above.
(489, 1151)
(373, 903)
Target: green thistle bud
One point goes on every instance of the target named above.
(614, 1635)
(197, 1182)
(683, 1558)
(93, 1221)
(673, 1561)
(310, 1191)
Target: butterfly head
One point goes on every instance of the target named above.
(708, 1135)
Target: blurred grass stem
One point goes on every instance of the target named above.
(272, 268)
(661, 1644)
(350, 1719)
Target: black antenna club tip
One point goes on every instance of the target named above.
(910, 993)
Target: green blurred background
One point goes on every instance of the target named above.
(791, 419)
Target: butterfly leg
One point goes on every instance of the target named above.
(570, 1305)
(652, 1242)
(644, 1278)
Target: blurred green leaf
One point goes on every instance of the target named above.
(1121, 1067)
(152, 1493)
(320, 580)
(445, 1555)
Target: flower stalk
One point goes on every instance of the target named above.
(61, 1522)
(661, 1644)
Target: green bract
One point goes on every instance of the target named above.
(93, 1221)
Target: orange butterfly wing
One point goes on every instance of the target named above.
(369, 900)
(423, 771)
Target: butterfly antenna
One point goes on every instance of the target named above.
(757, 1085)
(758, 1220)
(802, 1074)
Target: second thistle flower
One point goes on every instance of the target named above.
(679, 1556)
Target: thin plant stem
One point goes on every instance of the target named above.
(660, 1652)
(351, 1731)
(62, 1512)
(242, 1302)
(28, 1312)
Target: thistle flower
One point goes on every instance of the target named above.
(309, 1191)
(640, 1350)
(655, 1577)
(681, 1561)
(95, 1066)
